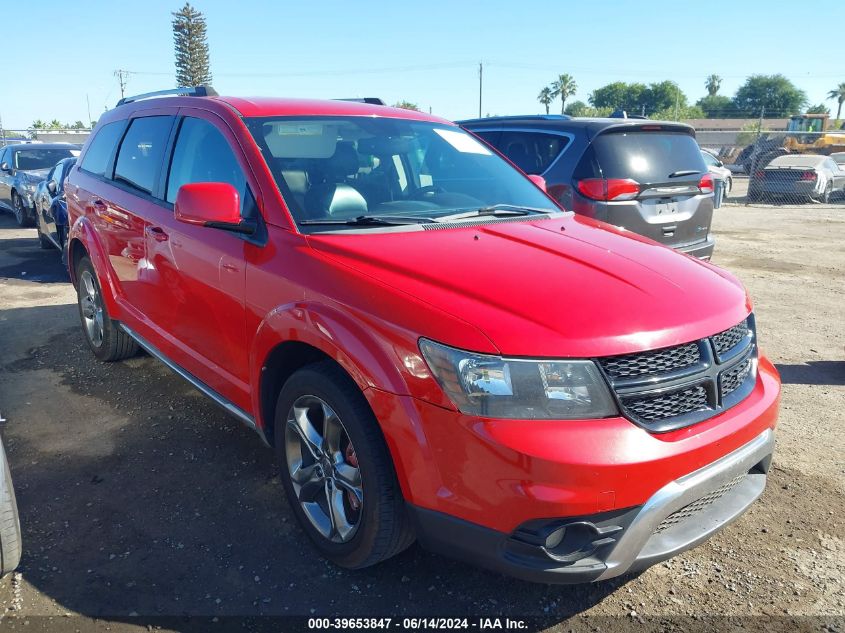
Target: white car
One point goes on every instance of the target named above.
(719, 172)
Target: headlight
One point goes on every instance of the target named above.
(496, 387)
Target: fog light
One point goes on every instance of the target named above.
(575, 541)
(554, 539)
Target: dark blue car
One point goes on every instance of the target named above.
(51, 206)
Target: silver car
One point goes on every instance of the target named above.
(721, 175)
(798, 178)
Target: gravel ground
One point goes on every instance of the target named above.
(140, 499)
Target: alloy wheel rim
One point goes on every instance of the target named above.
(18, 209)
(323, 469)
(91, 306)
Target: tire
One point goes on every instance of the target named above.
(828, 191)
(380, 527)
(729, 184)
(21, 215)
(43, 240)
(103, 335)
(10, 525)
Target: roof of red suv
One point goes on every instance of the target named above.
(274, 106)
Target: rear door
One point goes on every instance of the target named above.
(667, 166)
(201, 272)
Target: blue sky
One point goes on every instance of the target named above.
(425, 52)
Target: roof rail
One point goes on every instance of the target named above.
(184, 91)
(370, 100)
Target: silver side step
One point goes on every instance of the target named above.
(228, 405)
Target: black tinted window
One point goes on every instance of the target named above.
(141, 151)
(202, 154)
(648, 157)
(36, 158)
(532, 152)
(100, 150)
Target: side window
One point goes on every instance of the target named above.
(141, 151)
(202, 154)
(532, 152)
(4, 156)
(100, 150)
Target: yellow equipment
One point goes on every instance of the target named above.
(809, 134)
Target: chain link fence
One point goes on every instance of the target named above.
(779, 166)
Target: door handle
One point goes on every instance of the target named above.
(157, 233)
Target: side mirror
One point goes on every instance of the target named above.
(52, 186)
(213, 204)
(538, 180)
(5, 167)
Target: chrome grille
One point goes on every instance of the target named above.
(727, 340)
(657, 362)
(690, 510)
(669, 405)
(677, 386)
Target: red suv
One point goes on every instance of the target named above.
(435, 349)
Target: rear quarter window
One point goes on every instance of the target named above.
(648, 157)
(532, 152)
(102, 147)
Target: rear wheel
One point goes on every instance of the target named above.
(336, 469)
(828, 191)
(104, 336)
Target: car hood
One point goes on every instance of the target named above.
(34, 175)
(557, 287)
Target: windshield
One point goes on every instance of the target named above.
(337, 169)
(27, 159)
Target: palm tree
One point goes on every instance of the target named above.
(839, 95)
(546, 97)
(564, 87)
(713, 83)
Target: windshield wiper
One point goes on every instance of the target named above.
(495, 210)
(370, 220)
(684, 172)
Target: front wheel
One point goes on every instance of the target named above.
(104, 336)
(336, 469)
(21, 216)
(828, 192)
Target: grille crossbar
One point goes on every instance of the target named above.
(677, 386)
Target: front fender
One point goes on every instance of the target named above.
(335, 333)
(83, 235)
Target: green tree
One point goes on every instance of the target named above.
(579, 108)
(191, 47)
(564, 87)
(712, 83)
(716, 106)
(406, 105)
(55, 124)
(78, 125)
(38, 124)
(839, 94)
(819, 108)
(546, 97)
(659, 97)
(618, 95)
(777, 94)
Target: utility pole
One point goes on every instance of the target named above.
(122, 78)
(677, 100)
(88, 102)
(480, 78)
(2, 133)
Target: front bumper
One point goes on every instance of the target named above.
(680, 515)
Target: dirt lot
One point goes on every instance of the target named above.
(140, 499)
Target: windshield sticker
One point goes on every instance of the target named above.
(462, 142)
(299, 129)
